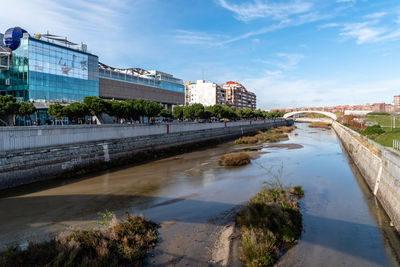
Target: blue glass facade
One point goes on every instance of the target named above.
(43, 71)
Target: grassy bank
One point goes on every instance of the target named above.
(269, 225)
(271, 136)
(122, 243)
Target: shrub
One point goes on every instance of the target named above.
(271, 222)
(121, 244)
(298, 191)
(373, 130)
(234, 159)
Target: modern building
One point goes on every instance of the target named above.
(134, 83)
(238, 97)
(206, 93)
(46, 68)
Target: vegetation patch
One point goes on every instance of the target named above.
(271, 136)
(121, 244)
(270, 225)
(373, 130)
(234, 159)
(324, 125)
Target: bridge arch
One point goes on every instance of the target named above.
(328, 114)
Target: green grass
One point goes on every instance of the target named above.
(385, 121)
(386, 139)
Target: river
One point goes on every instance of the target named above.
(192, 197)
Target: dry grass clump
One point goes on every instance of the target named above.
(286, 129)
(234, 159)
(271, 136)
(246, 140)
(269, 224)
(325, 125)
(120, 244)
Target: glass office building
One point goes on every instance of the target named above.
(44, 71)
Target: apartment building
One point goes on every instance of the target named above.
(205, 93)
(238, 97)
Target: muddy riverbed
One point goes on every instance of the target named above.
(194, 200)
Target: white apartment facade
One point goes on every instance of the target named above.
(205, 93)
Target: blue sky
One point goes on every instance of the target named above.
(290, 53)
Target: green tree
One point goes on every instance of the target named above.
(217, 111)
(8, 109)
(25, 109)
(95, 105)
(76, 111)
(115, 109)
(205, 114)
(178, 112)
(152, 109)
(132, 110)
(193, 111)
(165, 113)
(140, 106)
(56, 111)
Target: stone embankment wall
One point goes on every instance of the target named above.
(380, 167)
(30, 154)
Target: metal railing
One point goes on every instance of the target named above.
(396, 144)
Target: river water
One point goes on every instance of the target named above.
(189, 195)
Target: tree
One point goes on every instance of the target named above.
(115, 109)
(152, 109)
(217, 111)
(76, 111)
(165, 113)
(139, 106)
(56, 111)
(8, 108)
(244, 113)
(95, 105)
(178, 112)
(193, 111)
(131, 110)
(205, 115)
(25, 109)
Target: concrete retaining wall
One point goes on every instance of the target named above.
(104, 146)
(380, 167)
(14, 138)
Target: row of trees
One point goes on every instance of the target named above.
(131, 110)
(198, 111)
(9, 108)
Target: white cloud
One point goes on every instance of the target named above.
(346, 1)
(363, 32)
(263, 9)
(372, 30)
(329, 25)
(376, 15)
(196, 37)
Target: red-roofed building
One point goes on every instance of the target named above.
(238, 97)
